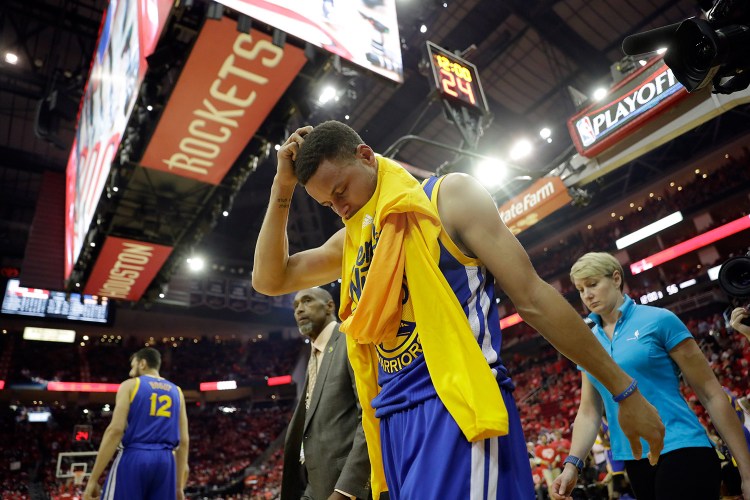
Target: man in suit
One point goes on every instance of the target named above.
(325, 454)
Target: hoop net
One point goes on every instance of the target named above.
(78, 476)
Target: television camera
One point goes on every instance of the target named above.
(702, 51)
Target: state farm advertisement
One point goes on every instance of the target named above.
(129, 33)
(637, 99)
(538, 201)
(125, 268)
(227, 89)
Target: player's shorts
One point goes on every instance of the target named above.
(426, 455)
(141, 475)
(616, 466)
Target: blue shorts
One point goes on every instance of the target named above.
(616, 466)
(426, 455)
(141, 475)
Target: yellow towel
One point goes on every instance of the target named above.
(403, 226)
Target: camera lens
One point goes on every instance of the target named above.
(734, 277)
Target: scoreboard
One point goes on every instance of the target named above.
(41, 303)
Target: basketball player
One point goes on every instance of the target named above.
(149, 422)
(423, 337)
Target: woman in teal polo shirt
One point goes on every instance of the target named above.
(653, 346)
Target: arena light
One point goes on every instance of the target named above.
(521, 149)
(651, 229)
(81, 387)
(196, 263)
(545, 133)
(11, 58)
(600, 94)
(511, 320)
(491, 173)
(281, 380)
(327, 94)
(699, 241)
(218, 386)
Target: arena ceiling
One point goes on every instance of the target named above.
(529, 54)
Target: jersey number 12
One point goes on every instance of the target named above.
(165, 403)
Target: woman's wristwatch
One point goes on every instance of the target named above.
(575, 461)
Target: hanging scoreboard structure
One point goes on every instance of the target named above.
(456, 79)
(457, 83)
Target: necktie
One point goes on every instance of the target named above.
(312, 374)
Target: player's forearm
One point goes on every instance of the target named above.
(110, 440)
(272, 247)
(585, 430)
(181, 459)
(567, 332)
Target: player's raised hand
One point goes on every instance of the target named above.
(287, 154)
(639, 419)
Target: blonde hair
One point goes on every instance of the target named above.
(596, 264)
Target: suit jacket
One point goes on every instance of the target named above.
(335, 448)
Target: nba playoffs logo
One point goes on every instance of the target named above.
(586, 131)
(638, 98)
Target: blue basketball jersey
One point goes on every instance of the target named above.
(154, 416)
(402, 371)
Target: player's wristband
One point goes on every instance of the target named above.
(575, 461)
(627, 392)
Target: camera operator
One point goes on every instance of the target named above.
(734, 279)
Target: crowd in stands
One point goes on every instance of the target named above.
(228, 439)
(224, 444)
(192, 362)
(187, 362)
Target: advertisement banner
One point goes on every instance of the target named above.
(125, 268)
(534, 204)
(228, 87)
(129, 32)
(365, 33)
(637, 99)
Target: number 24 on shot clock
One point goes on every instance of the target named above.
(456, 79)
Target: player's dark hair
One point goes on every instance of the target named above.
(331, 140)
(151, 356)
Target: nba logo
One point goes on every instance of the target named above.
(586, 131)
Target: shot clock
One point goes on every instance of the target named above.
(456, 80)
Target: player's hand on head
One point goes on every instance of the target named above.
(639, 419)
(287, 154)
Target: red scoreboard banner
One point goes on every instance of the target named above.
(637, 99)
(227, 89)
(125, 268)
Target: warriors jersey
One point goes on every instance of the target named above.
(154, 416)
(402, 372)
